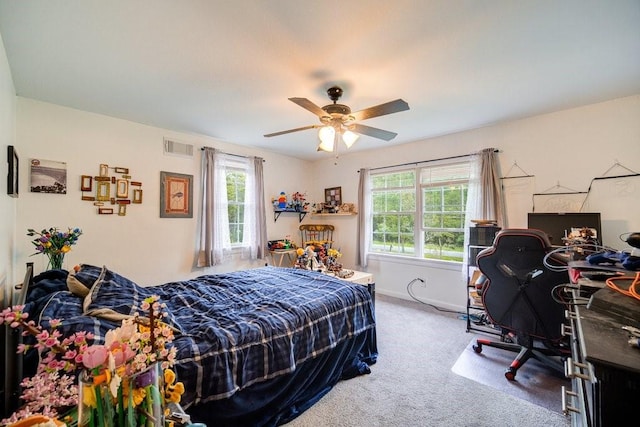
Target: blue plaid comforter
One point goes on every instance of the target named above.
(235, 329)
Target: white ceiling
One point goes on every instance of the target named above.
(226, 68)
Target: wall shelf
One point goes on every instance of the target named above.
(335, 214)
(277, 213)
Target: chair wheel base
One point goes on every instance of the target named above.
(477, 348)
(510, 374)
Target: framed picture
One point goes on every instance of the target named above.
(176, 195)
(137, 196)
(122, 188)
(48, 176)
(13, 172)
(86, 183)
(333, 196)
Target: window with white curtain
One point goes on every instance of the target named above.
(420, 211)
(236, 181)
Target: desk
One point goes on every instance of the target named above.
(604, 368)
(278, 255)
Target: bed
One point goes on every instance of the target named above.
(255, 347)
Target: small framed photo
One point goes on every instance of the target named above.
(176, 195)
(13, 172)
(122, 188)
(333, 196)
(86, 183)
(137, 196)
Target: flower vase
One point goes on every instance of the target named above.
(137, 401)
(55, 261)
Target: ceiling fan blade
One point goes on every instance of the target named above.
(292, 130)
(381, 110)
(374, 132)
(308, 105)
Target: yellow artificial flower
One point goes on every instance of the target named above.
(89, 396)
(139, 394)
(173, 391)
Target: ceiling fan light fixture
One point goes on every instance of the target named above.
(349, 138)
(327, 136)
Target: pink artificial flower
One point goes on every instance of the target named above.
(121, 353)
(55, 323)
(43, 336)
(94, 356)
(70, 355)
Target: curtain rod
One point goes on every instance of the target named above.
(229, 154)
(427, 161)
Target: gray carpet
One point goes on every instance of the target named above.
(413, 384)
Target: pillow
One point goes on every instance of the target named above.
(80, 281)
(115, 297)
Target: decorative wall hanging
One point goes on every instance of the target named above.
(111, 189)
(176, 195)
(13, 172)
(48, 176)
(333, 197)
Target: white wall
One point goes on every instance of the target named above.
(567, 148)
(141, 245)
(7, 204)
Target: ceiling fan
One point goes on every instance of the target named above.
(338, 120)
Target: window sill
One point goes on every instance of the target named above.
(430, 263)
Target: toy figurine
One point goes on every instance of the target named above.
(282, 200)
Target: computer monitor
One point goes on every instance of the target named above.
(560, 225)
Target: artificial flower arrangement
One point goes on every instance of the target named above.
(119, 382)
(54, 244)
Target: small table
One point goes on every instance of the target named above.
(278, 255)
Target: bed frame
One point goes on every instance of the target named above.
(11, 361)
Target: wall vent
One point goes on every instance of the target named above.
(175, 148)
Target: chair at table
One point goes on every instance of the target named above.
(518, 297)
(317, 234)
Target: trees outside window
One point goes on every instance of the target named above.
(420, 212)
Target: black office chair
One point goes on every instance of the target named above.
(519, 299)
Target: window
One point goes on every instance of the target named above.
(420, 212)
(233, 216)
(236, 202)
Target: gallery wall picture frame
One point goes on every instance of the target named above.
(176, 195)
(86, 183)
(333, 196)
(13, 173)
(48, 176)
